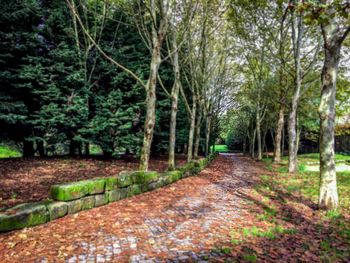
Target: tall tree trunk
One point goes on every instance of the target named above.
(328, 198)
(258, 135)
(264, 145)
(244, 144)
(192, 128)
(292, 137)
(283, 140)
(198, 134)
(150, 113)
(207, 135)
(297, 27)
(278, 135)
(174, 105)
(253, 144)
(157, 41)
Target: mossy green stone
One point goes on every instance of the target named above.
(141, 177)
(57, 210)
(97, 186)
(24, 215)
(203, 163)
(71, 191)
(134, 189)
(101, 199)
(87, 202)
(174, 175)
(124, 179)
(196, 168)
(74, 206)
(118, 194)
(111, 183)
(187, 169)
(165, 179)
(151, 177)
(154, 185)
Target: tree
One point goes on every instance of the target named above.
(333, 17)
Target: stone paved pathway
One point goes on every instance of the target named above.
(182, 222)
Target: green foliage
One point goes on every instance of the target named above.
(221, 148)
(57, 98)
(8, 152)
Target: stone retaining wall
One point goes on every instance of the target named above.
(77, 196)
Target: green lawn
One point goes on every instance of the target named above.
(221, 148)
(312, 158)
(306, 182)
(8, 152)
(293, 191)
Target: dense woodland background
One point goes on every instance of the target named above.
(56, 99)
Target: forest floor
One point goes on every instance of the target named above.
(29, 179)
(236, 210)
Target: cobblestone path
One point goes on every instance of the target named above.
(182, 222)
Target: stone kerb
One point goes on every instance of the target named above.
(73, 197)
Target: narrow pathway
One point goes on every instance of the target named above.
(182, 222)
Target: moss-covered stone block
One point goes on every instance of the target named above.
(97, 186)
(134, 189)
(111, 183)
(203, 163)
(154, 185)
(24, 215)
(174, 175)
(87, 202)
(141, 177)
(124, 179)
(71, 191)
(118, 194)
(101, 199)
(57, 210)
(197, 168)
(164, 180)
(188, 169)
(74, 206)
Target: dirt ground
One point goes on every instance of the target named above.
(233, 211)
(29, 179)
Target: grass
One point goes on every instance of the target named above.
(306, 183)
(310, 158)
(8, 152)
(221, 148)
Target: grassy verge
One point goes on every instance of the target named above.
(8, 152)
(284, 220)
(221, 148)
(306, 182)
(312, 158)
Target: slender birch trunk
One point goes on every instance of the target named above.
(157, 41)
(207, 135)
(292, 125)
(333, 37)
(174, 105)
(258, 135)
(198, 134)
(253, 144)
(328, 188)
(192, 128)
(278, 135)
